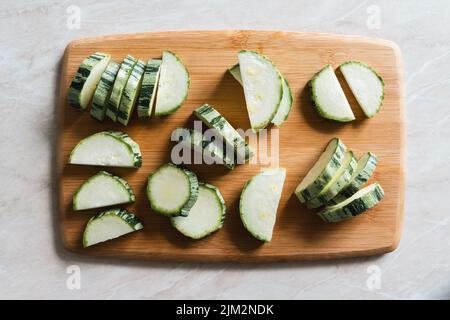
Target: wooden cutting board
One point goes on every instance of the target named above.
(299, 234)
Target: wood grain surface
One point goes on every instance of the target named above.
(299, 233)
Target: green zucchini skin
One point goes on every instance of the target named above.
(103, 91)
(148, 89)
(333, 165)
(360, 202)
(214, 120)
(130, 93)
(79, 80)
(358, 179)
(132, 145)
(330, 191)
(183, 210)
(196, 141)
(123, 214)
(119, 86)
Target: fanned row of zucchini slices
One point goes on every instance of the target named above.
(335, 181)
(267, 93)
(115, 90)
(329, 99)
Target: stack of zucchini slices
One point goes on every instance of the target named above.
(267, 93)
(335, 182)
(329, 99)
(115, 89)
(104, 189)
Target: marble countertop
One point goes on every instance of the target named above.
(33, 35)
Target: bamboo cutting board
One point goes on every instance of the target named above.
(299, 234)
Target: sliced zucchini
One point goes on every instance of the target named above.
(361, 201)
(172, 190)
(206, 216)
(119, 85)
(86, 79)
(103, 91)
(213, 119)
(286, 101)
(130, 93)
(365, 169)
(259, 202)
(236, 73)
(263, 88)
(107, 148)
(173, 85)
(195, 140)
(328, 97)
(366, 85)
(101, 190)
(340, 180)
(322, 172)
(109, 225)
(148, 89)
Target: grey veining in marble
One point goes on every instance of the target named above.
(33, 35)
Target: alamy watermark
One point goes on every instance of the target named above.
(73, 281)
(373, 282)
(373, 17)
(211, 147)
(73, 17)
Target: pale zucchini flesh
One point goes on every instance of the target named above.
(205, 217)
(130, 93)
(107, 148)
(366, 85)
(103, 91)
(360, 202)
(101, 190)
(172, 190)
(119, 86)
(328, 97)
(109, 225)
(286, 101)
(149, 87)
(173, 85)
(86, 79)
(263, 88)
(322, 172)
(259, 202)
(339, 181)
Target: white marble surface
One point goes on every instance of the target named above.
(33, 35)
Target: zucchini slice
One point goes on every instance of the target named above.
(322, 172)
(340, 180)
(328, 97)
(172, 190)
(101, 190)
(263, 88)
(195, 140)
(366, 85)
(130, 93)
(206, 216)
(361, 201)
(286, 101)
(365, 169)
(86, 79)
(173, 85)
(119, 85)
(214, 120)
(109, 225)
(259, 202)
(107, 148)
(103, 91)
(148, 89)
